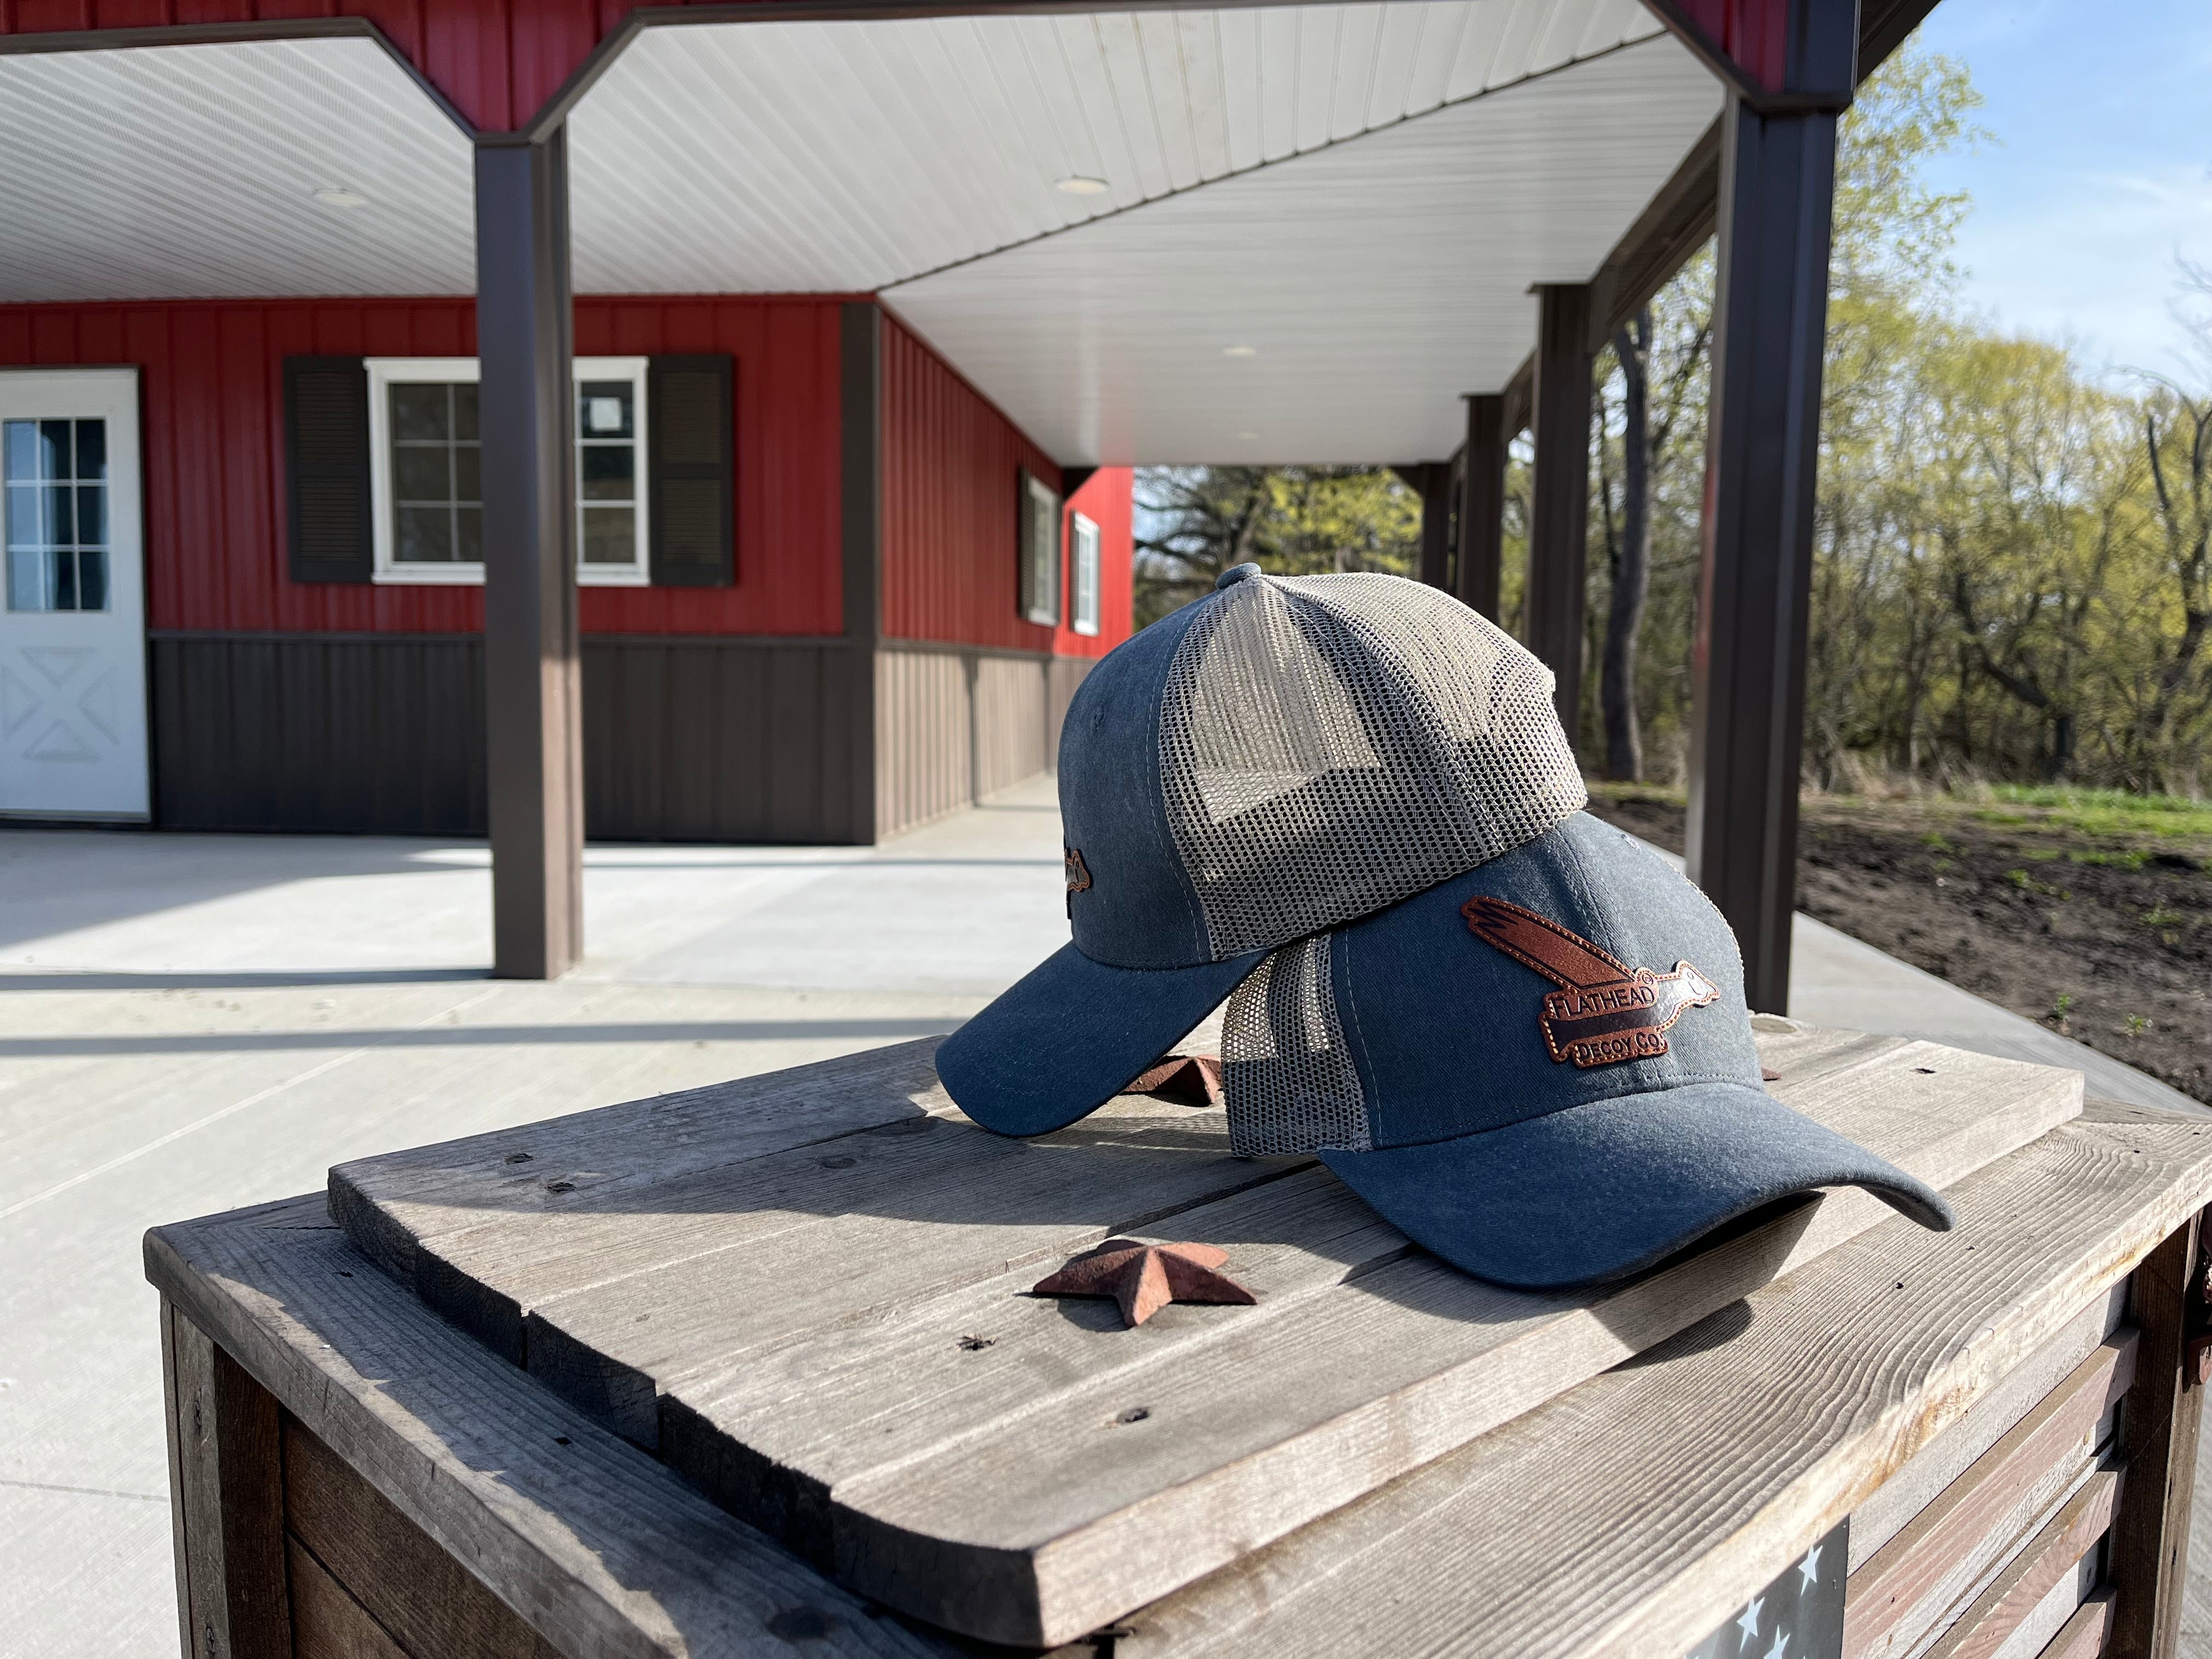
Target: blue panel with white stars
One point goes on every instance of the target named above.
(1799, 1616)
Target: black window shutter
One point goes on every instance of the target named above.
(692, 467)
(332, 538)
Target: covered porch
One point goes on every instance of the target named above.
(1372, 233)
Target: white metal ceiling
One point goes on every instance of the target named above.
(1359, 194)
(1365, 286)
(177, 171)
(795, 157)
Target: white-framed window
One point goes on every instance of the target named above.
(1083, 548)
(426, 470)
(1040, 551)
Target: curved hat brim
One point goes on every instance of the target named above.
(1599, 1192)
(1071, 1034)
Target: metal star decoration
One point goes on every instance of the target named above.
(1145, 1278)
(1187, 1079)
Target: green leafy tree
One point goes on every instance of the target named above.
(1195, 522)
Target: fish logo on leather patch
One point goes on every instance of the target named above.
(1604, 1011)
(1078, 877)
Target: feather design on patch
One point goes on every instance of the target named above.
(1604, 1011)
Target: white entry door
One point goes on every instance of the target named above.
(73, 631)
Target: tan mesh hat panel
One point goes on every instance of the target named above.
(1332, 745)
(1291, 1082)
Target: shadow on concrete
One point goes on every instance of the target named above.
(91, 980)
(467, 1036)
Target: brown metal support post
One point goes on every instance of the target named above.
(532, 691)
(1748, 663)
(1558, 492)
(860, 387)
(1435, 523)
(1482, 505)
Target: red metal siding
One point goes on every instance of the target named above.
(497, 60)
(951, 464)
(1108, 500)
(214, 446)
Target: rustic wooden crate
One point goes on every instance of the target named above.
(1631, 1513)
(812, 1304)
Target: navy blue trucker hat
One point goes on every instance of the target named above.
(1540, 1070)
(1285, 756)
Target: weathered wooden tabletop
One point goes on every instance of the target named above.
(813, 1304)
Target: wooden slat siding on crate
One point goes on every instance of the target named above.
(1935, 1466)
(602, 1551)
(2048, 1556)
(430, 1604)
(387, 1203)
(2085, 1636)
(186, 1645)
(327, 1623)
(1507, 1537)
(1088, 1516)
(1926, 1569)
(230, 1493)
(2159, 1433)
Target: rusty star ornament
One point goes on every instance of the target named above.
(1145, 1278)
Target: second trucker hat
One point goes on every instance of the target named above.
(1541, 1070)
(1285, 756)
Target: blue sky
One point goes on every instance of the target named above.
(2100, 168)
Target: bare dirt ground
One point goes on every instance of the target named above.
(2098, 924)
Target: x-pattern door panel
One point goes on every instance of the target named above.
(72, 731)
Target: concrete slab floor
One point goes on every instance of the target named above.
(192, 1022)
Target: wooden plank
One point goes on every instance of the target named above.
(1895, 1598)
(1982, 1629)
(1936, 1465)
(327, 1623)
(1570, 1531)
(430, 1603)
(387, 1204)
(230, 1491)
(2150, 1539)
(603, 1552)
(801, 1242)
(2085, 1635)
(1089, 1514)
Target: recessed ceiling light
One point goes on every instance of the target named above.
(1080, 185)
(1240, 352)
(338, 196)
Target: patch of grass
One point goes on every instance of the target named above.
(2132, 858)
(2135, 1026)
(2028, 883)
(2160, 916)
(2108, 812)
(2043, 854)
(1934, 841)
(2061, 1007)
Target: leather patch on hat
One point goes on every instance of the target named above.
(1604, 1011)
(1078, 877)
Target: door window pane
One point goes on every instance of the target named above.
(55, 474)
(436, 462)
